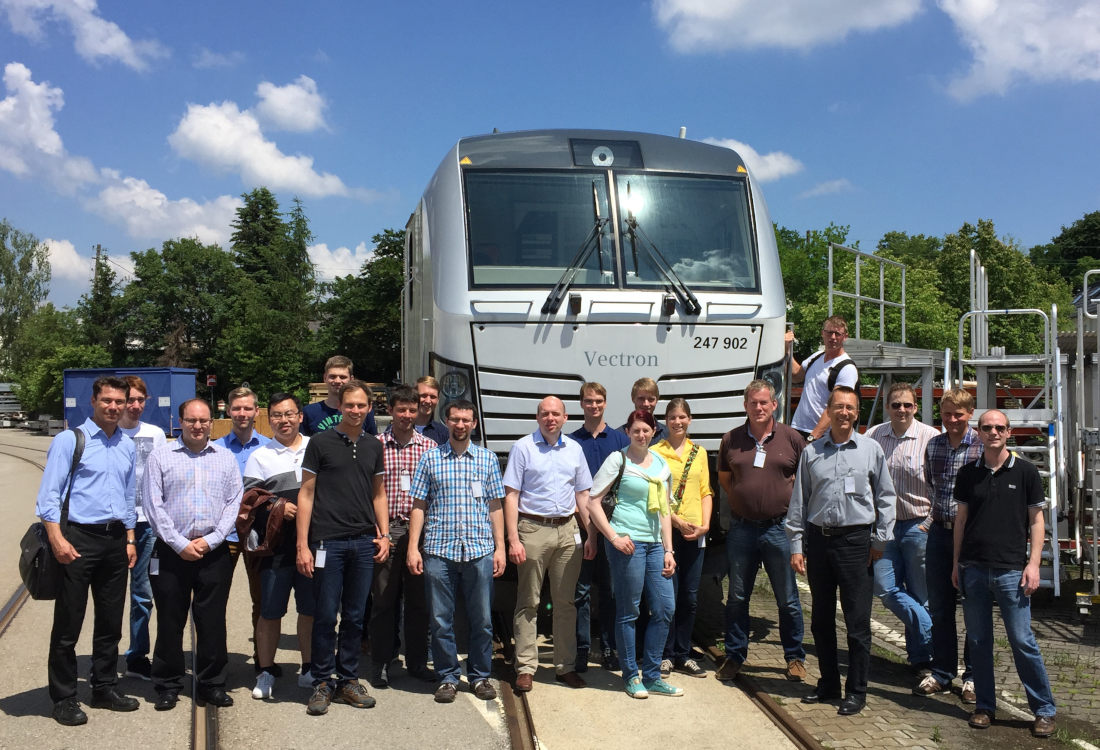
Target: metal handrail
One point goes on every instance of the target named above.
(859, 297)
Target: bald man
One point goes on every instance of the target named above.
(546, 486)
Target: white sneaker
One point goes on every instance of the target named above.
(666, 667)
(264, 682)
(305, 680)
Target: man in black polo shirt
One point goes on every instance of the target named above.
(343, 529)
(1000, 501)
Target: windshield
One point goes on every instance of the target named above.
(527, 228)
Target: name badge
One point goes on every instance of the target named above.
(577, 538)
(475, 488)
(319, 558)
(406, 481)
(849, 485)
(758, 460)
(703, 541)
(154, 566)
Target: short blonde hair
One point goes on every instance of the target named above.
(644, 385)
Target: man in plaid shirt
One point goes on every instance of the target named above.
(402, 447)
(945, 455)
(457, 492)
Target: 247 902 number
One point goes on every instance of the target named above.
(721, 342)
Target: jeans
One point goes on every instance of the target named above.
(141, 594)
(748, 544)
(901, 585)
(473, 580)
(685, 596)
(982, 586)
(340, 588)
(595, 571)
(942, 603)
(398, 595)
(631, 575)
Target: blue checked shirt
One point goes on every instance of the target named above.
(457, 525)
(941, 467)
(190, 495)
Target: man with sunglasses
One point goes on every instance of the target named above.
(1000, 511)
(899, 576)
(820, 373)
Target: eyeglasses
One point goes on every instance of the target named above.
(834, 333)
(279, 416)
(902, 404)
(198, 422)
(994, 428)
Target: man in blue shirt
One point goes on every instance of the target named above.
(95, 549)
(321, 415)
(598, 441)
(458, 488)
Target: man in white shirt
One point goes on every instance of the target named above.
(820, 373)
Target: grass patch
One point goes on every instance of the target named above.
(886, 654)
(937, 736)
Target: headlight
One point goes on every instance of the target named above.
(775, 374)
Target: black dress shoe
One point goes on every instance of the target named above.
(852, 705)
(166, 701)
(215, 696)
(69, 713)
(113, 700)
(820, 696)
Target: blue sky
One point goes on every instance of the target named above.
(126, 124)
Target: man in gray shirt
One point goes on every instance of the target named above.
(840, 518)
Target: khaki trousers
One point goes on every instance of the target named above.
(553, 551)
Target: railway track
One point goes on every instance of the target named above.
(204, 719)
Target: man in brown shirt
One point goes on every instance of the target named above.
(756, 467)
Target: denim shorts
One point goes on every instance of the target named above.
(276, 581)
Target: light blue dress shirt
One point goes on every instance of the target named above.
(104, 486)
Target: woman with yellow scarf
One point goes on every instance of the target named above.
(638, 540)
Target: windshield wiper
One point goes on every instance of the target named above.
(592, 242)
(659, 264)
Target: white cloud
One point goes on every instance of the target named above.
(67, 265)
(206, 58)
(1039, 40)
(94, 37)
(147, 213)
(339, 261)
(29, 144)
(764, 167)
(829, 187)
(296, 107)
(718, 25)
(223, 137)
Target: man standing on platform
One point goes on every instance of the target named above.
(321, 415)
(427, 390)
(820, 373)
(343, 530)
(900, 580)
(458, 490)
(402, 447)
(192, 492)
(946, 454)
(842, 516)
(757, 463)
(146, 437)
(95, 549)
(999, 541)
(547, 483)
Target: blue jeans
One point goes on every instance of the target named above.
(685, 592)
(982, 586)
(340, 588)
(748, 544)
(631, 575)
(472, 579)
(141, 594)
(942, 603)
(901, 585)
(595, 572)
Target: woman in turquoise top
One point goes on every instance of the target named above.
(638, 540)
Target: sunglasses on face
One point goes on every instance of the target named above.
(902, 404)
(999, 428)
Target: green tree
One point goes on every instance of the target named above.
(361, 317)
(804, 259)
(1075, 250)
(24, 283)
(100, 309)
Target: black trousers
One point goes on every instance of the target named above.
(392, 580)
(832, 563)
(202, 588)
(103, 568)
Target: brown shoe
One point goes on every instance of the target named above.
(981, 720)
(796, 670)
(572, 679)
(524, 683)
(728, 671)
(1043, 726)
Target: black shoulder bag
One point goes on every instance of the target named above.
(611, 498)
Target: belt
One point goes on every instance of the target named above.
(545, 520)
(109, 528)
(949, 525)
(762, 521)
(841, 530)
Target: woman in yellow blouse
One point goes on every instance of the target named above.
(691, 507)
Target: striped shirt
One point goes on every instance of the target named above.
(942, 464)
(401, 461)
(190, 495)
(457, 525)
(905, 461)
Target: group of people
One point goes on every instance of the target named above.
(372, 533)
